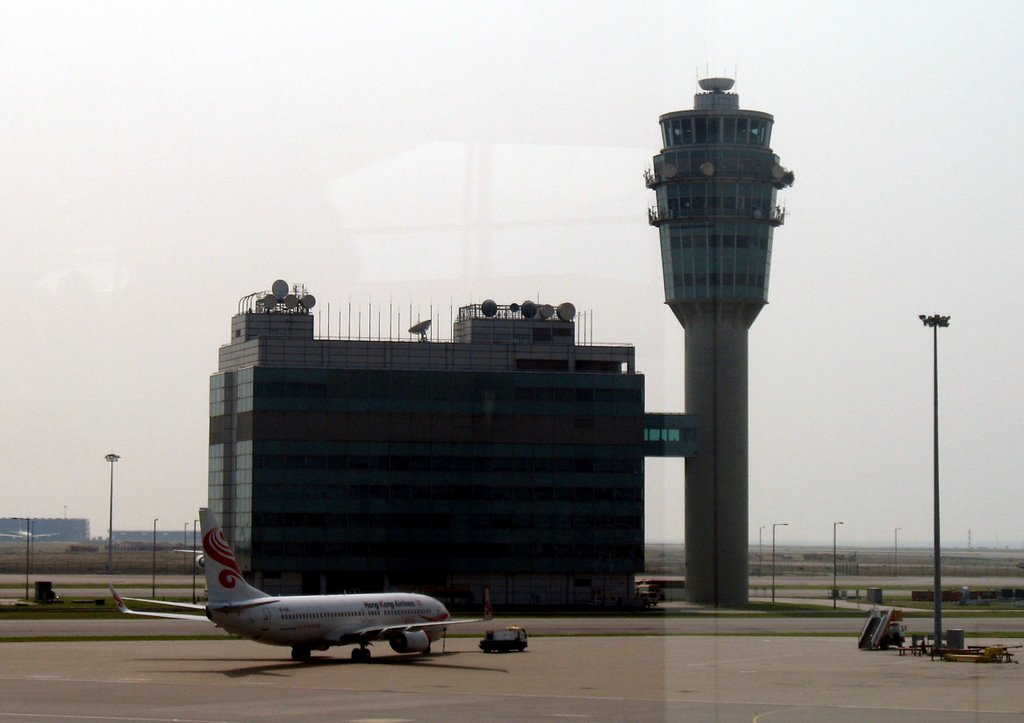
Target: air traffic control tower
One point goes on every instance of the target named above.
(716, 179)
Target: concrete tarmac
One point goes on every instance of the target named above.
(637, 624)
(596, 678)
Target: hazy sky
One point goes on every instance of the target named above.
(160, 161)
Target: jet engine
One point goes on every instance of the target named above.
(411, 642)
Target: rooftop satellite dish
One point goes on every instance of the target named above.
(669, 170)
(707, 168)
(280, 289)
(546, 311)
(719, 84)
(566, 311)
(513, 307)
(269, 302)
(489, 308)
(778, 171)
(308, 301)
(291, 301)
(421, 329)
(529, 309)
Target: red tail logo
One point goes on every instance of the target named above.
(217, 549)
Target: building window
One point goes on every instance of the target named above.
(661, 435)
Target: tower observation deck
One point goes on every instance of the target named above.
(715, 182)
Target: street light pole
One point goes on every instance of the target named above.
(935, 321)
(760, 557)
(834, 591)
(896, 551)
(774, 525)
(195, 524)
(155, 520)
(28, 553)
(110, 530)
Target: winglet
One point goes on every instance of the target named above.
(117, 599)
(488, 608)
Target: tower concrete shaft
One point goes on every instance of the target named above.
(715, 181)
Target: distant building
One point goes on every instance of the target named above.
(511, 457)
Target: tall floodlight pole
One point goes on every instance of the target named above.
(935, 321)
(110, 530)
(155, 520)
(774, 525)
(896, 551)
(834, 591)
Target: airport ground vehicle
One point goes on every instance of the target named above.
(648, 593)
(504, 641)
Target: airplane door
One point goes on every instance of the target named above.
(266, 619)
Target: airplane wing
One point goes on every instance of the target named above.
(231, 606)
(121, 606)
(387, 632)
(379, 633)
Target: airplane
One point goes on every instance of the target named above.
(200, 558)
(21, 534)
(409, 622)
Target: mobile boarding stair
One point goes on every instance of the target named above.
(884, 627)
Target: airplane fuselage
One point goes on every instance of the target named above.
(324, 620)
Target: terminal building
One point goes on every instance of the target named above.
(511, 457)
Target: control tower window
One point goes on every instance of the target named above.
(741, 130)
(700, 130)
(757, 132)
(675, 139)
(729, 125)
(687, 131)
(713, 129)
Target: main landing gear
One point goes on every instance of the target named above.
(301, 655)
(361, 655)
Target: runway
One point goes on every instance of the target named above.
(593, 678)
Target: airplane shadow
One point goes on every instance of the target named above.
(279, 667)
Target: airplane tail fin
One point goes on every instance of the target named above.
(224, 580)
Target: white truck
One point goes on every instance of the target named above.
(504, 641)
